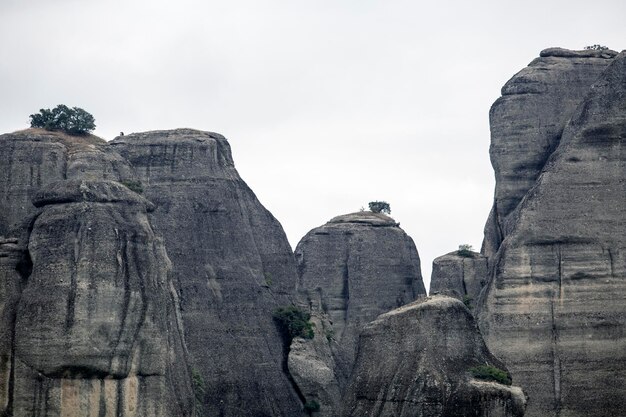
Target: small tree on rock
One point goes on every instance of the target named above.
(380, 207)
(596, 47)
(74, 121)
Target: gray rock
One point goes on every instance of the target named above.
(96, 328)
(231, 264)
(554, 309)
(13, 271)
(587, 53)
(461, 277)
(354, 268)
(527, 123)
(312, 366)
(416, 361)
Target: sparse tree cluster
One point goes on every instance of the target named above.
(73, 121)
(380, 207)
(596, 47)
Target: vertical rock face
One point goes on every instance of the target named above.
(555, 307)
(354, 268)
(459, 276)
(96, 322)
(232, 266)
(527, 123)
(88, 313)
(416, 361)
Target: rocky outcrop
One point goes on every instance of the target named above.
(461, 276)
(231, 264)
(88, 314)
(555, 308)
(312, 367)
(96, 329)
(354, 268)
(417, 360)
(527, 123)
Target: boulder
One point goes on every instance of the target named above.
(461, 276)
(420, 360)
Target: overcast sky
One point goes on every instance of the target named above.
(327, 104)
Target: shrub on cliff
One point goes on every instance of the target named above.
(380, 207)
(465, 250)
(74, 121)
(491, 373)
(294, 322)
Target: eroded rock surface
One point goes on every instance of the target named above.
(527, 123)
(354, 268)
(555, 308)
(461, 277)
(416, 361)
(232, 266)
(96, 329)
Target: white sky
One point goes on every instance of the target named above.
(327, 104)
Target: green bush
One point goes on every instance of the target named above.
(134, 186)
(467, 300)
(596, 47)
(198, 385)
(294, 322)
(491, 373)
(74, 121)
(311, 406)
(379, 207)
(465, 250)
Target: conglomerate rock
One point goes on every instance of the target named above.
(354, 268)
(555, 307)
(417, 360)
(231, 264)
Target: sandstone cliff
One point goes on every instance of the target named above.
(527, 123)
(459, 276)
(555, 308)
(354, 268)
(417, 360)
(89, 316)
(231, 264)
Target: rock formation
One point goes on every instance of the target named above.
(354, 268)
(231, 264)
(89, 315)
(461, 276)
(417, 360)
(527, 123)
(555, 308)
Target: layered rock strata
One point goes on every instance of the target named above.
(527, 123)
(417, 360)
(231, 264)
(555, 307)
(89, 315)
(354, 268)
(459, 276)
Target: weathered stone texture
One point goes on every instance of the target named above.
(354, 268)
(555, 308)
(232, 266)
(527, 123)
(416, 360)
(96, 324)
(461, 277)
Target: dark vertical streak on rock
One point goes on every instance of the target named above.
(71, 296)
(102, 409)
(611, 263)
(556, 362)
